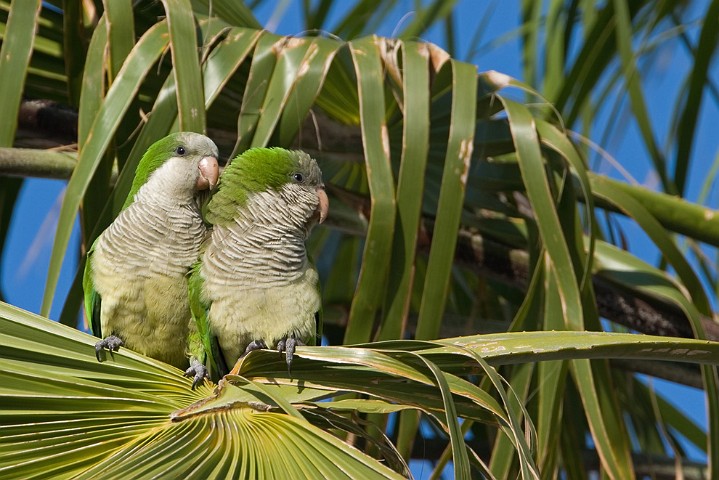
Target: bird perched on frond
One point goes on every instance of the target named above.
(255, 286)
(136, 274)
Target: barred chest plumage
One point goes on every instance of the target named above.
(263, 247)
(150, 239)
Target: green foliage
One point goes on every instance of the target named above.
(461, 203)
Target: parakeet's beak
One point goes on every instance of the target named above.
(323, 206)
(209, 173)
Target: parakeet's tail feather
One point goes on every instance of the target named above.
(220, 368)
(93, 301)
(212, 353)
(95, 319)
(318, 329)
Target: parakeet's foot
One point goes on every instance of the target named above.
(197, 371)
(254, 345)
(112, 343)
(288, 345)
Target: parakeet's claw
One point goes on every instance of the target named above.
(197, 371)
(255, 345)
(112, 343)
(288, 345)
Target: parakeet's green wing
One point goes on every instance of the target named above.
(93, 300)
(203, 344)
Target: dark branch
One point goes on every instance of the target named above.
(643, 314)
(45, 124)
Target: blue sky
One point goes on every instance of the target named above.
(24, 265)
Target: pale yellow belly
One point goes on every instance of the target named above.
(151, 315)
(270, 314)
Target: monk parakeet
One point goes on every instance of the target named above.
(255, 286)
(136, 274)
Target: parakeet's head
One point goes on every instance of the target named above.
(177, 166)
(288, 180)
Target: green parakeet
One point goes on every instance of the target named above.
(136, 274)
(255, 286)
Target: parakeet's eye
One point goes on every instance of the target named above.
(298, 177)
(180, 150)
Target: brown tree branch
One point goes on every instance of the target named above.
(643, 314)
(45, 124)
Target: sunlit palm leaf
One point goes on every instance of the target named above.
(410, 188)
(116, 417)
(18, 39)
(375, 140)
(186, 65)
(239, 443)
(127, 416)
